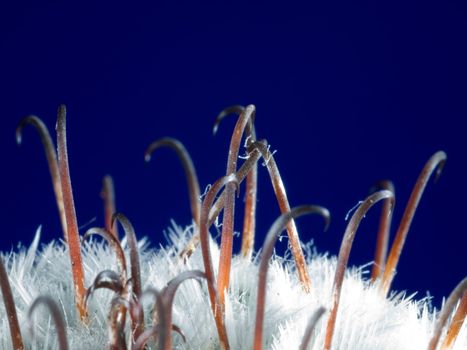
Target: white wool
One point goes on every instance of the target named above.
(365, 320)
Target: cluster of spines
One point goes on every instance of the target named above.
(128, 288)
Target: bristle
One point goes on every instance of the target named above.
(366, 320)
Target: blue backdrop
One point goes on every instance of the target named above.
(346, 94)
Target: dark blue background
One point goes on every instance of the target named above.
(347, 94)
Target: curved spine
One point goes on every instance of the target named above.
(458, 294)
(57, 317)
(188, 167)
(51, 155)
(382, 239)
(311, 326)
(273, 234)
(225, 261)
(115, 245)
(436, 162)
(344, 254)
(216, 306)
(74, 245)
(284, 206)
(137, 328)
(108, 196)
(10, 308)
